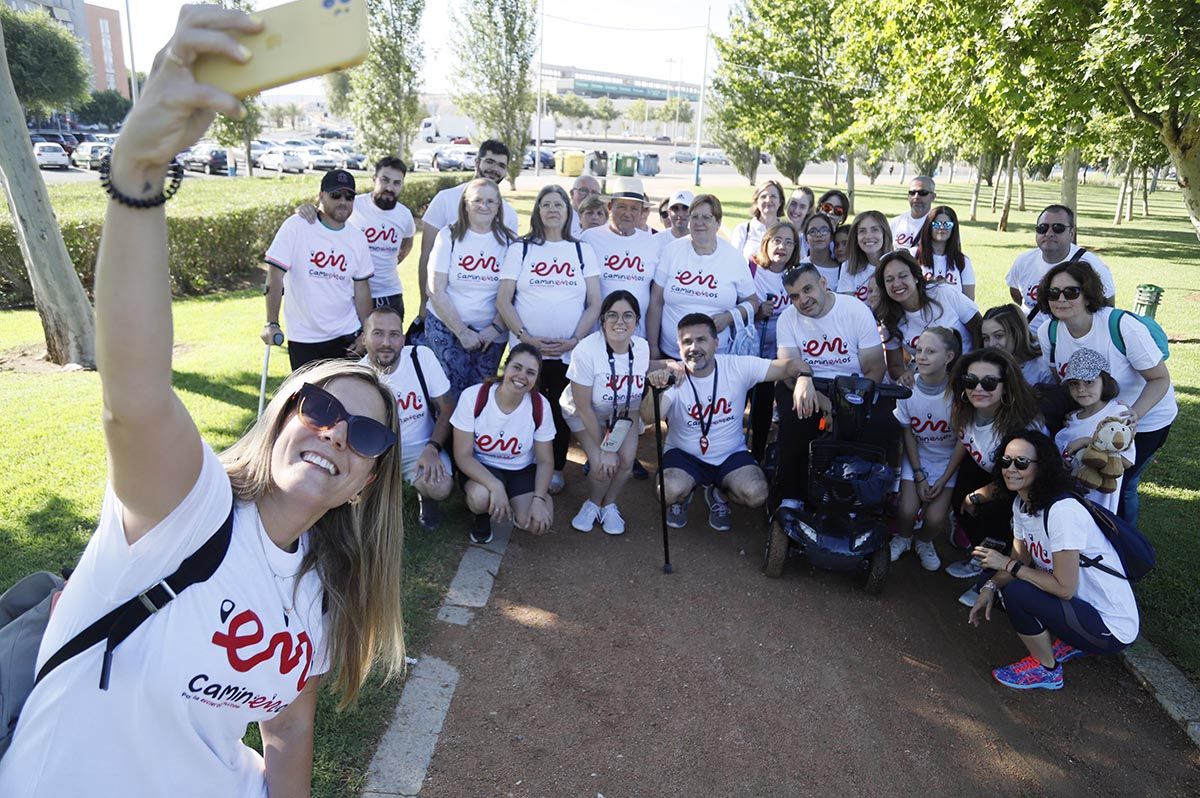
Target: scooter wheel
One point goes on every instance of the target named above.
(776, 550)
(877, 570)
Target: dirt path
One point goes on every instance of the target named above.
(592, 672)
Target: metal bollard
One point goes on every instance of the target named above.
(1147, 299)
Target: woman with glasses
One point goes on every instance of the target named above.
(607, 376)
(765, 208)
(1073, 298)
(295, 531)
(836, 205)
(799, 206)
(939, 251)
(990, 401)
(462, 327)
(870, 240)
(699, 274)
(1060, 607)
(550, 298)
(777, 254)
(818, 231)
(908, 306)
(503, 450)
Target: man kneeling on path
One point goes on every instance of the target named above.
(705, 441)
(423, 405)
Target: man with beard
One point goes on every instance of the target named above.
(423, 405)
(492, 163)
(388, 226)
(706, 444)
(906, 228)
(324, 268)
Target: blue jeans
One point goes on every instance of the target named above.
(1147, 444)
(1033, 611)
(463, 368)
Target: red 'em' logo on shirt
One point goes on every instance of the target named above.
(290, 654)
(486, 443)
(471, 263)
(543, 269)
(410, 401)
(815, 348)
(375, 235)
(721, 407)
(330, 260)
(928, 425)
(699, 278)
(616, 263)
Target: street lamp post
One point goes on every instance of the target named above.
(133, 81)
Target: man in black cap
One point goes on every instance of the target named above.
(323, 268)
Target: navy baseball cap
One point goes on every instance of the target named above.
(336, 179)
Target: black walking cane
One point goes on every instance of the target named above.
(662, 491)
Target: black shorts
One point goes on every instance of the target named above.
(393, 301)
(516, 483)
(340, 347)
(706, 473)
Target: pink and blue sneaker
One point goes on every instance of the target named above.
(1028, 674)
(1064, 652)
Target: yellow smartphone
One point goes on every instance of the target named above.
(299, 40)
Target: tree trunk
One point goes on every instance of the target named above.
(1021, 186)
(904, 169)
(975, 191)
(1184, 145)
(67, 319)
(249, 160)
(837, 165)
(1002, 225)
(1068, 192)
(996, 182)
(1154, 180)
(1129, 172)
(1145, 191)
(850, 181)
(953, 165)
(1125, 188)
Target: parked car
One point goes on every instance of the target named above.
(547, 158)
(298, 143)
(60, 139)
(460, 140)
(683, 156)
(714, 156)
(663, 139)
(49, 153)
(764, 158)
(422, 159)
(345, 155)
(34, 138)
(316, 158)
(466, 157)
(89, 154)
(448, 160)
(206, 159)
(256, 152)
(281, 158)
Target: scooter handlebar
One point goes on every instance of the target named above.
(883, 391)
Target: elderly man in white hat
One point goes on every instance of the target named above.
(676, 217)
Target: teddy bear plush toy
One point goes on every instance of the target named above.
(1101, 463)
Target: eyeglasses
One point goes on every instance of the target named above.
(494, 162)
(947, 226)
(779, 241)
(1020, 463)
(348, 196)
(484, 202)
(818, 232)
(321, 411)
(1070, 293)
(919, 192)
(988, 383)
(832, 210)
(706, 218)
(1057, 227)
(612, 317)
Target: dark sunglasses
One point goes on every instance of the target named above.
(832, 210)
(988, 383)
(1021, 463)
(919, 192)
(1057, 227)
(320, 411)
(1069, 293)
(342, 195)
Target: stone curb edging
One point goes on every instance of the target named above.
(1173, 691)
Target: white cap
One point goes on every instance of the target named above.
(683, 198)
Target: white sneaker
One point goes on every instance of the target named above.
(611, 520)
(969, 598)
(587, 516)
(557, 483)
(964, 569)
(899, 545)
(928, 555)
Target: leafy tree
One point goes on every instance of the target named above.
(638, 112)
(337, 93)
(291, 111)
(605, 112)
(231, 132)
(574, 108)
(48, 71)
(106, 108)
(737, 142)
(493, 42)
(384, 90)
(277, 114)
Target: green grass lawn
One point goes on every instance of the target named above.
(54, 479)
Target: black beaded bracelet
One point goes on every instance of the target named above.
(174, 171)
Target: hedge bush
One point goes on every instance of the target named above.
(219, 229)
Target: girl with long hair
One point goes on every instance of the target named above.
(303, 514)
(870, 240)
(939, 251)
(766, 206)
(463, 327)
(550, 299)
(834, 204)
(818, 231)
(1005, 327)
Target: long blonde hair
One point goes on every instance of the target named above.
(356, 549)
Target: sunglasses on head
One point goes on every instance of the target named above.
(832, 210)
(946, 225)
(321, 411)
(1057, 227)
(988, 383)
(341, 195)
(1069, 293)
(919, 192)
(1020, 463)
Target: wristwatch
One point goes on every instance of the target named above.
(435, 445)
(973, 498)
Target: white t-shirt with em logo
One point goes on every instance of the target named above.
(185, 685)
(626, 263)
(855, 284)
(590, 366)
(1030, 267)
(734, 376)
(830, 344)
(502, 440)
(927, 414)
(416, 420)
(942, 273)
(906, 230)
(694, 283)
(949, 308)
(385, 231)
(320, 268)
(551, 286)
(472, 266)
